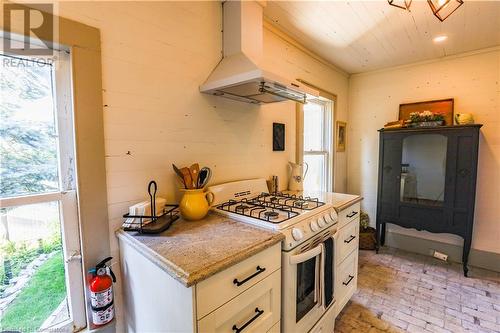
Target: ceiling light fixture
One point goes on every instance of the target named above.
(444, 8)
(440, 8)
(403, 4)
(439, 39)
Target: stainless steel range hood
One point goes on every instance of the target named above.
(240, 75)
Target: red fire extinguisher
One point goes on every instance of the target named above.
(101, 293)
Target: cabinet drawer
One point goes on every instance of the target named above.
(348, 240)
(222, 287)
(348, 214)
(257, 309)
(347, 280)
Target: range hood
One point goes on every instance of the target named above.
(240, 75)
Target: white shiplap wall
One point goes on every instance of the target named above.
(155, 55)
(473, 80)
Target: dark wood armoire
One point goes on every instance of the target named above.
(427, 180)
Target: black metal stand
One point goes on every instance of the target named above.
(158, 223)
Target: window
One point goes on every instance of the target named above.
(39, 232)
(317, 144)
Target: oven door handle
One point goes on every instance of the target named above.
(302, 257)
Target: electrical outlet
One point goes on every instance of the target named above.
(441, 256)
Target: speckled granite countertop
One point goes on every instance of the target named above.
(193, 251)
(340, 201)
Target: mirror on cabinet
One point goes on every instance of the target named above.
(423, 169)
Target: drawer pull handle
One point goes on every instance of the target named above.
(352, 214)
(349, 240)
(259, 270)
(348, 281)
(258, 312)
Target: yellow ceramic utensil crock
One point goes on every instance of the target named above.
(195, 204)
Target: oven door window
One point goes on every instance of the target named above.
(306, 287)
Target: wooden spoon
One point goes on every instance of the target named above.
(195, 171)
(179, 173)
(188, 180)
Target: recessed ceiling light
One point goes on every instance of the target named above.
(439, 39)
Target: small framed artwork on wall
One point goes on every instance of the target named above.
(278, 137)
(340, 136)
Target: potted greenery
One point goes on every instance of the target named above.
(425, 119)
(367, 240)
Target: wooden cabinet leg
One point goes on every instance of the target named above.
(465, 254)
(377, 234)
(382, 236)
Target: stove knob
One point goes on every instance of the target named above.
(321, 221)
(314, 226)
(327, 218)
(297, 234)
(334, 216)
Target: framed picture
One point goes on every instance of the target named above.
(442, 106)
(278, 137)
(341, 135)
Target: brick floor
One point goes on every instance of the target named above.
(405, 292)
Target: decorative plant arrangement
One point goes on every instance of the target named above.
(425, 119)
(418, 119)
(425, 116)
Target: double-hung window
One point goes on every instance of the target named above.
(318, 136)
(41, 280)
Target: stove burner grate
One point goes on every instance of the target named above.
(271, 215)
(301, 204)
(273, 208)
(289, 200)
(242, 207)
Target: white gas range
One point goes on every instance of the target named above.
(299, 218)
(308, 255)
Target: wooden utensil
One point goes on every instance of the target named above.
(188, 180)
(179, 173)
(195, 170)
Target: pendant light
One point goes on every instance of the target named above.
(403, 4)
(444, 8)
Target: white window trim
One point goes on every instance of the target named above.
(71, 226)
(84, 41)
(327, 141)
(67, 196)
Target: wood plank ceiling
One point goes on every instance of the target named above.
(361, 36)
